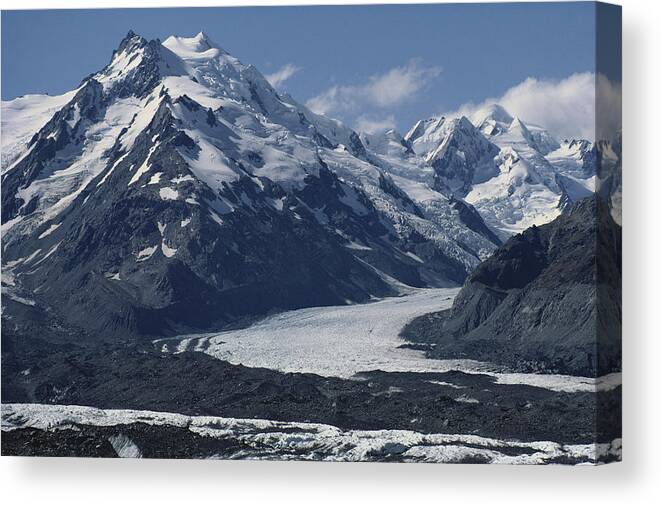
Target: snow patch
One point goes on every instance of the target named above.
(182, 178)
(209, 163)
(146, 253)
(144, 168)
(49, 253)
(414, 257)
(216, 218)
(168, 194)
(357, 247)
(50, 230)
(167, 251)
(32, 256)
(156, 178)
(107, 174)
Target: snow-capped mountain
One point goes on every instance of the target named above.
(492, 119)
(176, 189)
(463, 159)
(515, 174)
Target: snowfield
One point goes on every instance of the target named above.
(342, 341)
(266, 439)
(24, 116)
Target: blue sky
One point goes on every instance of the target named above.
(379, 64)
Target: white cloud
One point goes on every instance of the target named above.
(609, 106)
(384, 90)
(369, 124)
(566, 107)
(281, 75)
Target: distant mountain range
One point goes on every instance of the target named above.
(176, 190)
(515, 174)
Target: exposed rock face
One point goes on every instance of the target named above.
(471, 218)
(464, 158)
(548, 300)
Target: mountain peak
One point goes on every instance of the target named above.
(130, 36)
(464, 122)
(491, 113)
(131, 41)
(491, 119)
(517, 124)
(199, 46)
(498, 112)
(203, 41)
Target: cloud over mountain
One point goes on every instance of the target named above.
(384, 90)
(370, 124)
(284, 73)
(565, 106)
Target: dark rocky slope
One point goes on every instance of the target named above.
(549, 300)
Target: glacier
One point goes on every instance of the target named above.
(264, 439)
